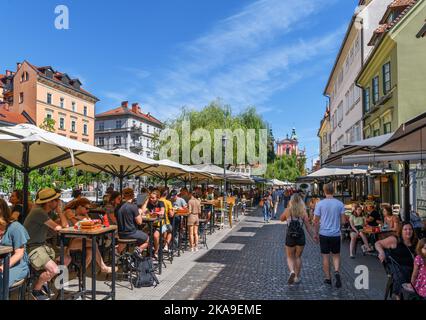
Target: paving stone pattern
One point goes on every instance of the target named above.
(254, 267)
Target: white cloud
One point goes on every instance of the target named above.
(245, 59)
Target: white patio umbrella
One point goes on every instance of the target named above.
(26, 147)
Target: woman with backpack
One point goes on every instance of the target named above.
(296, 218)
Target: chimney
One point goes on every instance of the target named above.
(135, 107)
(124, 104)
(18, 65)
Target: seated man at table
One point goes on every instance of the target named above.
(128, 217)
(40, 255)
(373, 216)
(155, 207)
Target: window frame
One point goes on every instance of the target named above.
(62, 123)
(375, 94)
(387, 83)
(49, 98)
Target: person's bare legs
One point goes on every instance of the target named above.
(191, 236)
(336, 262)
(51, 270)
(156, 241)
(290, 252)
(354, 237)
(364, 240)
(298, 260)
(326, 265)
(196, 237)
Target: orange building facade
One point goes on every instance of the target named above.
(41, 92)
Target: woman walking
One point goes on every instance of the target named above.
(296, 217)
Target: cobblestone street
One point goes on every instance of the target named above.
(249, 263)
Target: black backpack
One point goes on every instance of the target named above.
(144, 269)
(295, 228)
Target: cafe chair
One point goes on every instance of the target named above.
(203, 232)
(20, 287)
(125, 259)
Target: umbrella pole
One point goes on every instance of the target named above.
(121, 177)
(406, 203)
(97, 187)
(26, 172)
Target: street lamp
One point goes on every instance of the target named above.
(224, 140)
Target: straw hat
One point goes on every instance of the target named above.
(47, 194)
(128, 192)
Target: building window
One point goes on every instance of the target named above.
(85, 110)
(324, 138)
(21, 97)
(387, 127)
(375, 89)
(367, 99)
(49, 116)
(49, 98)
(101, 126)
(376, 132)
(340, 112)
(118, 140)
(101, 141)
(73, 106)
(61, 103)
(147, 129)
(148, 154)
(62, 123)
(73, 126)
(118, 124)
(24, 76)
(85, 129)
(386, 78)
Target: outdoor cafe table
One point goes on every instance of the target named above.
(150, 221)
(93, 235)
(5, 256)
(209, 203)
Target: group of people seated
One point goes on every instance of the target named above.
(30, 233)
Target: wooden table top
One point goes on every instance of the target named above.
(73, 231)
(5, 250)
(150, 219)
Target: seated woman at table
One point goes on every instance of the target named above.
(391, 221)
(112, 205)
(402, 249)
(357, 222)
(13, 234)
(75, 212)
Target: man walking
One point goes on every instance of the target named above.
(275, 201)
(329, 215)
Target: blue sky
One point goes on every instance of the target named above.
(164, 54)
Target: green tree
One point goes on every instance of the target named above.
(48, 124)
(216, 115)
(286, 168)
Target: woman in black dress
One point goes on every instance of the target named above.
(401, 250)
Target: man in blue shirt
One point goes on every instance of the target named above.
(329, 215)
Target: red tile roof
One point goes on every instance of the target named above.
(123, 111)
(57, 77)
(400, 3)
(11, 117)
(385, 27)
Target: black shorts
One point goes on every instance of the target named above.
(329, 244)
(140, 236)
(292, 242)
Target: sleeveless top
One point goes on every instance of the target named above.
(403, 255)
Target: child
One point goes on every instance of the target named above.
(418, 278)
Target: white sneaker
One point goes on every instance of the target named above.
(196, 249)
